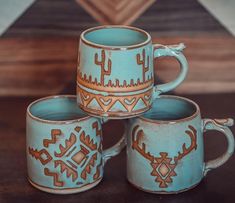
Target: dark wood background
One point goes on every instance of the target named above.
(163, 18)
(38, 53)
(38, 56)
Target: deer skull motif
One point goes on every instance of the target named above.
(163, 166)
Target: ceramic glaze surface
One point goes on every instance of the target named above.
(115, 75)
(165, 149)
(64, 146)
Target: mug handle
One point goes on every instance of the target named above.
(175, 51)
(115, 149)
(220, 125)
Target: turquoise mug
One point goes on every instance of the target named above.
(115, 75)
(64, 146)
(165, 149)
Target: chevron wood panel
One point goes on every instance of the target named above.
(162, 18)
(115, 12)
(116, 4)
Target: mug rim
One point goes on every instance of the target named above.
(188, 118)
(96, 45)
(53, 121)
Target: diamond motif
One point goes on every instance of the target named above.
(43, 156)
(163, 166)
(69, 159)
(163, 170)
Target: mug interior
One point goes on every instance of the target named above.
(170, 108)
(116, 36)
(61, 108)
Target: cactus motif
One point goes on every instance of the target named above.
(101, 63)
(145, 65)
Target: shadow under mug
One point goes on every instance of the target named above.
(165, 148)
(115, 75)
(64, 146)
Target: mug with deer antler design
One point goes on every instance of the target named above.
(64, 146)
(165, 149)
(115, 76)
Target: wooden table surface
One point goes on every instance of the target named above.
(218, 186)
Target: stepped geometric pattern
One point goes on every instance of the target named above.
(163, 167)
(77, 158)
(107, 102)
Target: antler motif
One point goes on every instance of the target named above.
(193, 136)
(135, 144)
(163, 166)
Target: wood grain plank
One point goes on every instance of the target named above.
(36, 66)
(211, 64)
(44, 66)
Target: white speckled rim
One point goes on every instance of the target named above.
(51, 121)
(83, 38)
(195, 114)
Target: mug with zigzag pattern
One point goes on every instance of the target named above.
(64, 146)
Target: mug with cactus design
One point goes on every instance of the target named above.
(115, 75)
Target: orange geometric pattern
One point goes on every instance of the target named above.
(124, 94)
(68, 144)
(90, 164)
(70, 172)
(70, 159)
(115, 85)
(96, 127)
(55, 176)
(40, 155)
(87, 141)
(54, 134)
(106, 102)
(163, 166)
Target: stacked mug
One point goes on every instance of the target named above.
(115, 80)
